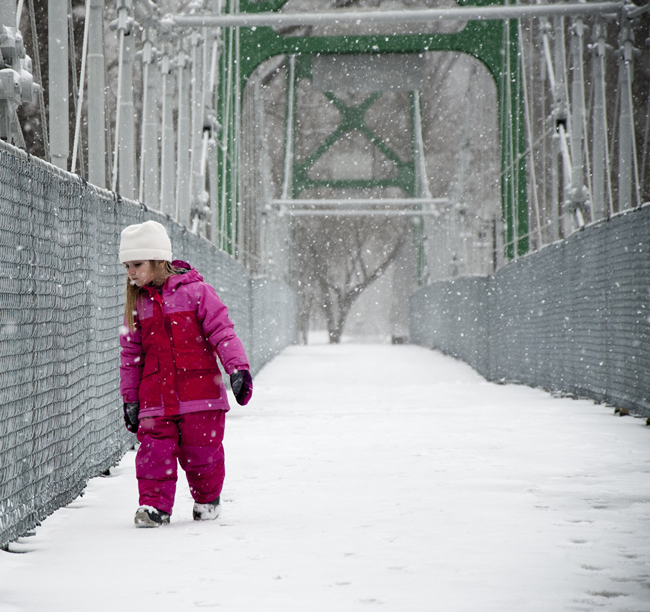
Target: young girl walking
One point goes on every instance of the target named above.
(174, 329)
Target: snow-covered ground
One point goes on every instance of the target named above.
(371, 476)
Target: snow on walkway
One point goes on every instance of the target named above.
(371, 477)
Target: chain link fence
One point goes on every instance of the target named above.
(573, 318)
(61, 307)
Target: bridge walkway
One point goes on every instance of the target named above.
(371, 476)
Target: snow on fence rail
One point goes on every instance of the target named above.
(573, 317)
(61, 301)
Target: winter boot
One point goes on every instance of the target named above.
(207, 512)
(148, 516)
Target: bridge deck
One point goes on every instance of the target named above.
(364, 475)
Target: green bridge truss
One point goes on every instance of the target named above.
(493, 42)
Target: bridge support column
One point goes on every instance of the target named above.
(562, 124)
(126, 124)
(167, 149)
(96, 94)
(57, 18)
(627, 171)
(287, 182)
(555, 187)
(182, 213)
(149, 190)
(600, 155)
(8, 13)
(580, 197)
(196, 186)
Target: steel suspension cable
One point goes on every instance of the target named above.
(77, 127)
(73, 71)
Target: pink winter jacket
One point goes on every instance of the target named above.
(169, 363)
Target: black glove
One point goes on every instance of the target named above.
(242, 386)
(131, 420)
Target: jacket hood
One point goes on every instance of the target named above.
(189, 275)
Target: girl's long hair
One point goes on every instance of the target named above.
(161, 274)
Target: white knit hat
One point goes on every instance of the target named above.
(148, 240)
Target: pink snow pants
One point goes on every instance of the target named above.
(195, 440)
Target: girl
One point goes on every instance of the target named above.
(175, 327)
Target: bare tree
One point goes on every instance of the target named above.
(336, 259)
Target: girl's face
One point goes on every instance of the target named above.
(140, 273)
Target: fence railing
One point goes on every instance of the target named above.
(573, 317)
(61, 304)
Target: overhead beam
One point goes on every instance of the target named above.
(468, 13)
(361, 202)
(337, 212)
